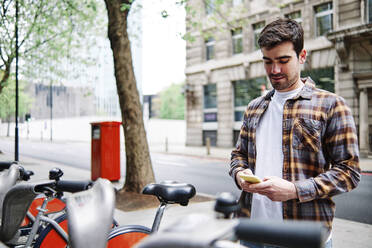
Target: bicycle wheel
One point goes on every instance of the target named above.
(49, 237)
(127, 236)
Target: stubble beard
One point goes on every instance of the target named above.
(288, 83)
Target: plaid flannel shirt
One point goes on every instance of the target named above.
(320, 149)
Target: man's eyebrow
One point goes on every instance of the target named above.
(277, 58)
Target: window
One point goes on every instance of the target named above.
(210, 103)
(237, 40)
(324, 78)
(369, 11)
(237, 2)
(244, 92)
(257, 28)
(295, 16)
(210, 6)
(323, 18)
(209, 48)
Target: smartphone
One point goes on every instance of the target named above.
(251, 178)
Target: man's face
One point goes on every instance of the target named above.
(283, 66)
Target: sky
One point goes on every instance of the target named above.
(163, 49)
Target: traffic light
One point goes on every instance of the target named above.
(27, 116)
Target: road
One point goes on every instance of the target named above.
(209, 176)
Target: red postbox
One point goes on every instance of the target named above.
(105, 154)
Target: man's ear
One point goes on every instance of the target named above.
(302, 56)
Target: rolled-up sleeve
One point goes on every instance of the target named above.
(239, 156)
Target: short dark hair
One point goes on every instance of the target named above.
(280, 31)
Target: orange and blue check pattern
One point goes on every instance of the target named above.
(320, 149)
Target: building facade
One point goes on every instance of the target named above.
(225, 71)
(62, 100)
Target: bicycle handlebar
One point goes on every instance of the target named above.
(196, 231)
(64, 186)
(24, 174)
(287, 234)
(5, 165)
(72, 186)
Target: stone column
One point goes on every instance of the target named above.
(363, 123)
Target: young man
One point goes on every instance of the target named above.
(299, 139)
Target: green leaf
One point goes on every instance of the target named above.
(125, 7)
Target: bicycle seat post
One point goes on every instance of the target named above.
(158, 216)
(168, 192)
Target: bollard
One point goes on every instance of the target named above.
(166, 144)
(208, 145)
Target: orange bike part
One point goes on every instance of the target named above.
(49, 237)
(126, 240)
(55, 205)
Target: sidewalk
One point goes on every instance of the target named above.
(345, 234)
(223, 153)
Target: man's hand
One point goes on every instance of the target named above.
(275, 188)
(241, 182)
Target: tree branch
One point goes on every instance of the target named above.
(37, 13)
(1, 55)
(5, 19)
(44, 41)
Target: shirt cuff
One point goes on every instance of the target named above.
(306, 190)
(233, 174)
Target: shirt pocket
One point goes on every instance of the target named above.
(306, 134)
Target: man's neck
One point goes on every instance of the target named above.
(296, 85)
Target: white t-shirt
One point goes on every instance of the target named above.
(269, 159)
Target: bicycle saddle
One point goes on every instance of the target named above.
(171, 192)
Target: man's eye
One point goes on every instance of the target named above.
(268, 62)
(284, 61)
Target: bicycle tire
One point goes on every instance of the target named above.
(127, 236)
(49, 237)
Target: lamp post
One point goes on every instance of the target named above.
(16, 151)
(51, 110)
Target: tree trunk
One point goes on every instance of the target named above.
(5, 76)
(138, 163)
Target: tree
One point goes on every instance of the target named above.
(172, 102)
(139, 170)
(7, 101)
(48, 31)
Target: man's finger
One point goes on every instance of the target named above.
(260, 186)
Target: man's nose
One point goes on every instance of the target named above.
(275, 69)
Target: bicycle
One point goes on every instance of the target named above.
(16, 204)
(10, 173)
(201, 231)
(98, 201)
(168, 192)
(86, 233)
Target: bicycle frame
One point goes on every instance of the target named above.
(41, 217)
